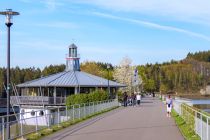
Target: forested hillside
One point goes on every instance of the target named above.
(186, 76)
(200, 56)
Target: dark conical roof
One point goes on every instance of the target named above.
(72, 46)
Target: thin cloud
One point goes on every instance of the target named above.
(52, 4)
(154, 25)
(184, 10)
(65, 25)
(49, 4)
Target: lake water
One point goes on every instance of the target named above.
(204, 107)
(203, 104)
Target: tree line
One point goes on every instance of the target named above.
(186, 76)
(21, 75)
(200, 56)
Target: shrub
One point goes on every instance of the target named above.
(45, 132)
(33, 136)
(56, 128)
(97, 95)
(120, 96)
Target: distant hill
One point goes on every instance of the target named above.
(186, 76)
(203, 56)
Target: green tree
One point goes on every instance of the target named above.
(149, 85)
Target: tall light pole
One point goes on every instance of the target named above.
(8, 13)
(108, 67)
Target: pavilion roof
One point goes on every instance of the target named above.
(71, 79)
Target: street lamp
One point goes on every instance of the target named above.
(108, 67)
(8, 13)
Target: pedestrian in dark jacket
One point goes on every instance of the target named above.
(125, 98)
(133, 96)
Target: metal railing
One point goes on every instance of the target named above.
(197, 120)
(32, 121)
(3, 102)
(37, 100)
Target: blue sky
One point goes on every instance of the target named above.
(147, 31)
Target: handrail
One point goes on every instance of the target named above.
(54, 116)
(36, 100)
(196, 110)
(59, 107)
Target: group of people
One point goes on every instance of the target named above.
(133, 100)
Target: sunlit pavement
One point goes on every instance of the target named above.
(147, 122)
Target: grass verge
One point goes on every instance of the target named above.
(55, 128)
(184, 128)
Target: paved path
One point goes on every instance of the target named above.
(147, 122)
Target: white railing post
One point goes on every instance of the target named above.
(99, 106)
(207, 128)
(96, 104)
(196, 120)
(89, 109)
(21, 124)
(73, 113)
(3, 132)
(93, 107)
(48, 118)
(36, 121)
(102, 105)
(79, 112)
(201, 125)
(181, 113)
(84, 109)
(67, 114)
(58, 116)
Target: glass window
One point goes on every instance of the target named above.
(32, 113)
(41, 113)
(22, 111)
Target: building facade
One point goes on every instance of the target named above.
(50, 91)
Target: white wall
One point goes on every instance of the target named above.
(27, 117)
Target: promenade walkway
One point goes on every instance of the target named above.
(147, 122)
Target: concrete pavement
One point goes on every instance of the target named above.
(147, 122)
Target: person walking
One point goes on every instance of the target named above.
(153, 95)
(169, 104)
(138, 98)
(125, 98)
(133, 99)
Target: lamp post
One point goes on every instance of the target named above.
(108, 67)
(8, 13)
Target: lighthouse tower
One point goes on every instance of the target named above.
(72, 60)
